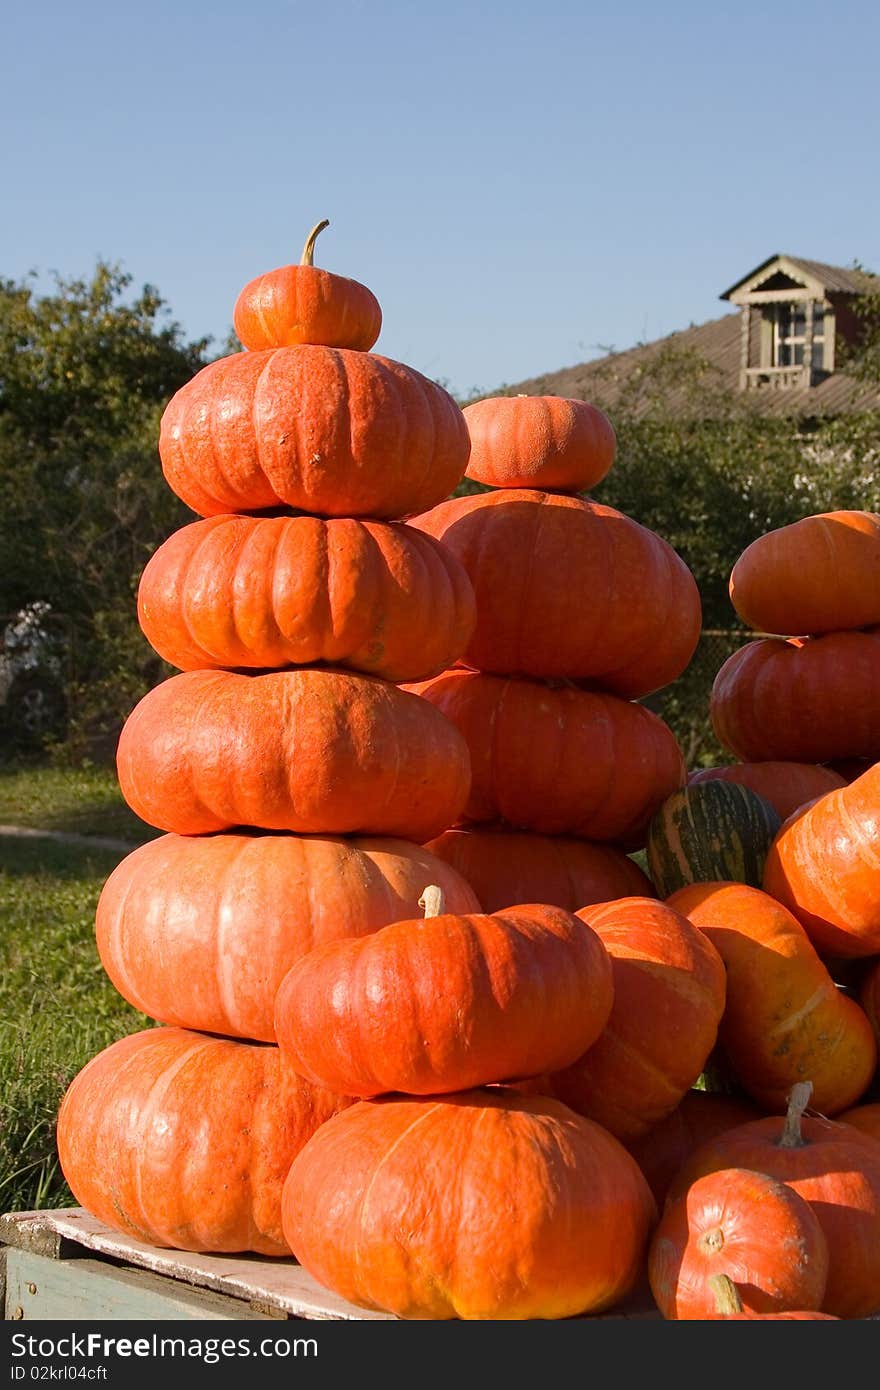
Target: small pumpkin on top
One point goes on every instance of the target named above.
(547, 442)
(820, 574)
(303, 304)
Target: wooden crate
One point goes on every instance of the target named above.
(66, 1265)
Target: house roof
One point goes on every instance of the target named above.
(716, 347)
(834, 279)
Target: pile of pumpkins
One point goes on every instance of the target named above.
(428, 1026)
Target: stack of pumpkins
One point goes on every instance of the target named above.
(813, 697)
(296, 781)
(580, 611)
(806, 694)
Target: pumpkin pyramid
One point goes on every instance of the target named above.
(296, 781)
(580, 612)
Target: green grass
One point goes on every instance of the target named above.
(57, 1007)
(86, 801)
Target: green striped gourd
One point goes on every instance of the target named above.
(707, 832)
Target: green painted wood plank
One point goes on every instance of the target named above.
(40, 1289)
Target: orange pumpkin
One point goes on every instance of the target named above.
(184, 1141)
(567, 588)
(787, 786)
(823, 865)
(785, 1020)
(324, 430)
(547, 442)
(316, 752)
(446, 1002)
(260, 592)
(200, 931)
(836, 1169)
(475, 1206)
(760, 1233)
(669, 989)
(506, 867)
(805, 700)
(558, 760)
(821, 574)
(302, 304)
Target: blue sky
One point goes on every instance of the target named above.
(517, 183)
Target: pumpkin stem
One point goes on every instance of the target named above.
(727, 1299)
(433, 901)
(798, 1100)
(308, 255)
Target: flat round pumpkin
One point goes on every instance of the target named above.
(446, 1002)
(547, 442)
(184, 1141)
(558, 760)
(324, 430)
(820, 574)
(568, 588)
(804, 700)
(312, 751)
(200, 930)
(475, 1206)
(261, 592)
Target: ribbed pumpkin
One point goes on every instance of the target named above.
(546, 442)
(184, 1141)
(506, 867)
(240, 591)
(805, 700)
(317, 752)
(785, 1020)
(836, 1168)
(325, 430)
(446, 1002)
(715, 830)
(699, 1116)
(787, 786)
(821, 574)
(824, 866)
(668, 1000)
(869, 995)
(571, 589)
(863, 1117)
(558, 760)
(729, 1307)
(200, 931)
(476, 1206)
(303, 304)
(760, 1233)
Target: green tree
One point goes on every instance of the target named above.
(85, 374)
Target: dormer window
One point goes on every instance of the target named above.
(793, 312)
(790, 334)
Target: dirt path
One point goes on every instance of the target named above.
(68, 837)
